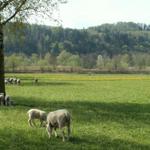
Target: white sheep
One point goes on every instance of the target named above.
(36, 114)
(5, 100)
(8, 100)
(2, 98)
(10, 80)
(58, 119)
(18, 81)
(6, 81)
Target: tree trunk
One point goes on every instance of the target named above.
(2, 83)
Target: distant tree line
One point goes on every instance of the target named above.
(106, 47)
(108, 39)
(66, 61)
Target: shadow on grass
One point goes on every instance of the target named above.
(106, 143)
(83, 112)
(49, 83)
(15, 139)
(93, 112)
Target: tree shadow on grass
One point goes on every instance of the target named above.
(93, 112)
(19, 139)
(106, 143)
(83, 112)
(50, 83)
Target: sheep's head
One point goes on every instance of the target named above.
(44, 125)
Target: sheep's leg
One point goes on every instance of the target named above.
(49, 131)
(63, 135)
(69, 131)
(41, 123)
(33, 123)
(61, 127)
(44, 124)
(30, 122)
(55, 132)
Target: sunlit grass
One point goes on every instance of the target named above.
(83, 77)
(108, 111)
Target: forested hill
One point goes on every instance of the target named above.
(108, 39)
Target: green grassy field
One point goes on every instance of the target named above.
(110, 112)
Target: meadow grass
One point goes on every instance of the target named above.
(108, 112)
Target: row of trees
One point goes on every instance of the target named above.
(51, 62)
(107, 39)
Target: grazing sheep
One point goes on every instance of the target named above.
(7, 100)
(58, 119)
(36, 114)
(35, 80)
(14, 81)
(6, 81)
(11, 80)
(18, 81)
(2, 98)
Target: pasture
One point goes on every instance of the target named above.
(109, 112)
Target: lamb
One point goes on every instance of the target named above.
(36, 114)
(58, 119)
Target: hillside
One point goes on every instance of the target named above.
(108, 39)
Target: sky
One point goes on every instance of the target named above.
(85, 13)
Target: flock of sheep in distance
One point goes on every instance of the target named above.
(12, 81)
(51, 121)
(5, 99)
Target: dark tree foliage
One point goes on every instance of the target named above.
(110, 39)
